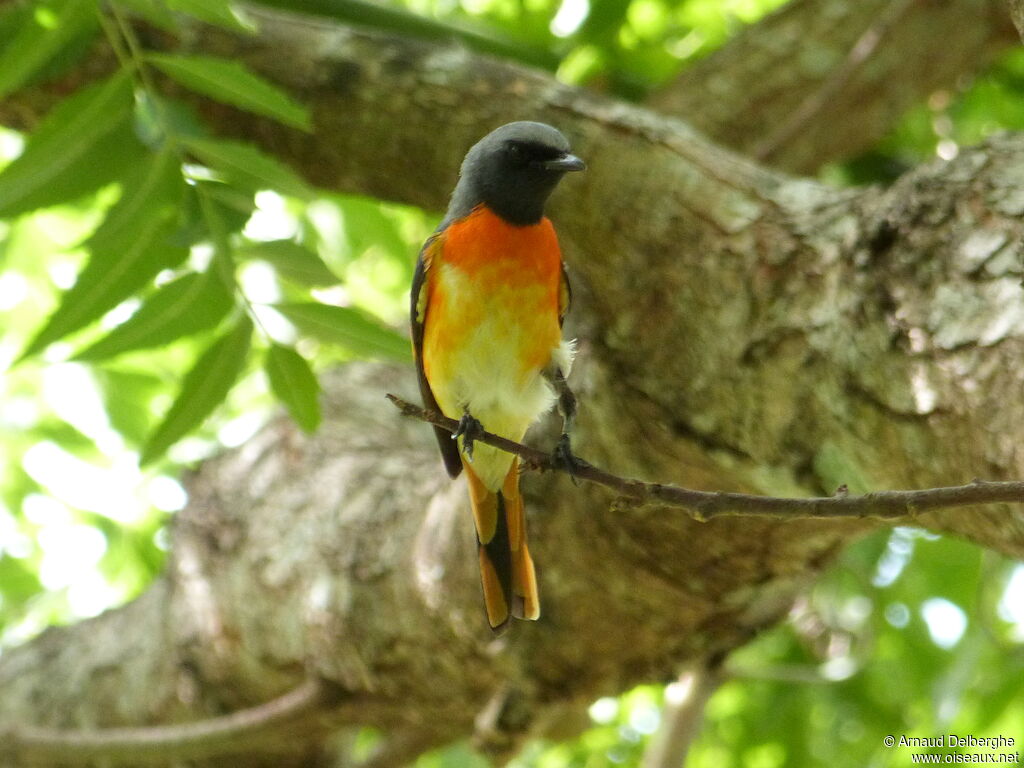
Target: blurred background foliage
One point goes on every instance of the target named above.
(241, 283)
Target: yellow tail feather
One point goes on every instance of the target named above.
(526, 601)
(506, 568)
(494, 594)
(484, 503)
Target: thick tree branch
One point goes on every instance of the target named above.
(854, 67)
(703, 505)
(823, 80)
(812, 106)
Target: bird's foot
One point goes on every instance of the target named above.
(470, 430)
(563, 458)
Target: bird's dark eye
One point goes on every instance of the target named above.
(530, 154)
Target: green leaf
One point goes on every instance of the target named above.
(75, 149)
(18, 582)
(223, 263)
(295, 385)
(246, 165)
(204, 388)
(348, 328)
(408, 23)
(231, 83)
(238, 202)
(221, 13)
(231, 206)
(291, 260)
(153, 11)
(153, 190)
(66, 436)
(188, 305)
(130, 247)
(367, 224)
(40, 38)
(234, 207)
(159, 119)
(126, 399)
(108, 160)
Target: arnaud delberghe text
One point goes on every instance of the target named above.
(951, 740)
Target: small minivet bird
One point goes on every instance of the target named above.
(488, 299)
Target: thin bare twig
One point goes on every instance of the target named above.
(704, 505)
(160, 743)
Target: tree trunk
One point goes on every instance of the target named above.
(739, 330)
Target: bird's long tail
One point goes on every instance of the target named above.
(506, 568)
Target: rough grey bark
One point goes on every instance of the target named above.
(823, 80)
(739, 330)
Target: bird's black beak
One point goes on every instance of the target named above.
(565, 163)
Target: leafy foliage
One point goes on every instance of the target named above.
(41, 36)
(169, 248)
(89, 142)
(231, 83)
(81, 146)
(200, 276)
(128, 249)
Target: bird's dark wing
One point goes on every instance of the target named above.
(564, 296)
(418, 318)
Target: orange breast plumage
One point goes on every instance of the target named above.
(492, 327)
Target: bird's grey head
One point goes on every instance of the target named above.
(513, 170)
